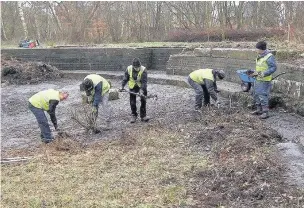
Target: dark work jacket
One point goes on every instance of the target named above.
(52, 107)
(97, 94)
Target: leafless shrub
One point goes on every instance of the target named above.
(85, 118)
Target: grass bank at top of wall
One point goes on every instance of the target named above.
(272, 44)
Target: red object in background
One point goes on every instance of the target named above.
(32, 45)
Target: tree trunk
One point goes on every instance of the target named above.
(239, 13)
(3, 34)
(22, 19)
(52, 8)
(227, 16)
(157, 20)
(37, 27)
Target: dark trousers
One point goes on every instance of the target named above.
(200, 91)
(133, 103)
(206, 95)
(46, 134)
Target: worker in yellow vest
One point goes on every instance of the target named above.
(97, 89)
(136, 77)
(46, 100)
(265, 67)
(203, 81)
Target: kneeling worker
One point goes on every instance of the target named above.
(46, 100)
(97, 89)
(136, 77)
(203, 81)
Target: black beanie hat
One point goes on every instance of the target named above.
(262, 45)
(136, 62)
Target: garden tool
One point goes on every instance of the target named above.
(141, 95)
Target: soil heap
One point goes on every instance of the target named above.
(21, 72)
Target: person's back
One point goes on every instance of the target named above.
(203, 81)
(201, 74)
(41, 99)
(46, 100)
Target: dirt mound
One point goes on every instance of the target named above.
(244, 169)
(21, 72)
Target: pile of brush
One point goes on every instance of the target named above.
(86, 118)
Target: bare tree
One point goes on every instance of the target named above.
(51, 5)
(81, 21)
(20, 9)
(3, 34)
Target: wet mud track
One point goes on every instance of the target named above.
(20, 129)
(173, 110)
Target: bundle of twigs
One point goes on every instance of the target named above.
(85, 118)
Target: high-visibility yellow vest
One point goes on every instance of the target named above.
(133, 82)
(96, 79)
(199, 75)
(42, 99)
(262, 66)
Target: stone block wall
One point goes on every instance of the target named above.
(166, 59)
(104, 59)
(160, 57)
(291, 84)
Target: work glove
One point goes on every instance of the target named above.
(90, 99)
(94, 110)
(260, 74)
(141, 91)
(254, 74)
(218, 104)
(257, 74)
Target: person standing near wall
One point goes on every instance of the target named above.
(137, 78)
(265, 67)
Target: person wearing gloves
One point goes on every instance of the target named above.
(46, 100)
(203, 81)
(136, 77)
(97, 90)
(265, 67)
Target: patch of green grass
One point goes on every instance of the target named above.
(148, 173)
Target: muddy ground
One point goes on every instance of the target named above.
(244, 172)
(174, 109)
(19, 127)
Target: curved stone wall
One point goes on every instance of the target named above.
(104, 59)
(290, 84)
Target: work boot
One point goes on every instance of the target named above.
(197, 108)
(258, 111)
(251, 106)
(46, 141)
(264, 115)
(133, 119)
(145, 119)
(107, 126)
